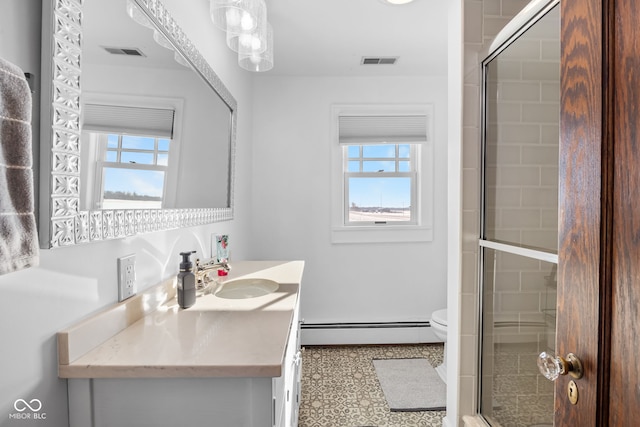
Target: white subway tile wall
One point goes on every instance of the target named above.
(483, 20)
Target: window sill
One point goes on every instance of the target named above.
(381, 234)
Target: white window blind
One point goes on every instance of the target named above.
(156, 122)
(360, 130)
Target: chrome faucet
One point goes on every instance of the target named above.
(202, 271)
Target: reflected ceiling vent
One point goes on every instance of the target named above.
(379, 60)
(129, 51)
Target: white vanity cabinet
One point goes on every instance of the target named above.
(286, 388)
(221, 363)
(215, 402)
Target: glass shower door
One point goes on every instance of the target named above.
(518, 245)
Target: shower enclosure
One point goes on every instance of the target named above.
(519, 223)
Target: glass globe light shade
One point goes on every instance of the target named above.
(137, 15)
(161, 40)
(254, 60)
(255, 39)
(181, 60)
(235, 15)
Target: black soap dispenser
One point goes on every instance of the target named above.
(186, 282)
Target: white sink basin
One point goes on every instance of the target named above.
(246, 288)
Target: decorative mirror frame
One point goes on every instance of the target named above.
(63, 223)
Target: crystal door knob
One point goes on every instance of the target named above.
(552, 366)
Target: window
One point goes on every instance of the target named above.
(380, 183)
(382, 187)
(132, 171)
(131, 156)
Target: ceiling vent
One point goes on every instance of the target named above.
(129, 51)
(384, 60)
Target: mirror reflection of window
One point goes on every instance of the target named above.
(132, 173)
(130, 157)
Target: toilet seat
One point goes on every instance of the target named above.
(440, 317)
(439, 326)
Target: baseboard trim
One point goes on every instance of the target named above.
(365, 325)
(353, 333)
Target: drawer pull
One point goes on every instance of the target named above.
(297, 358)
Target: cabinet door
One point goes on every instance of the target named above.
(292, 374)
(286, 387)
(295, 392)
(279, 402)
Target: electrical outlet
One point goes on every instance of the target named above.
(126, 277)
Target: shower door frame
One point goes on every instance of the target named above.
(483, 243)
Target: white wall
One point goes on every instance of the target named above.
(71, 283)
(282, 212)
(291, 201)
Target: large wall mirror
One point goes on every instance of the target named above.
(138, 131)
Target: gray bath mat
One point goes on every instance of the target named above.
(410, 385)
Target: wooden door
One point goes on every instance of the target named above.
(599, 242)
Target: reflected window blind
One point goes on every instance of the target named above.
(359, 130)
(156, 122)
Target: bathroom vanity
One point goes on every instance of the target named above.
(222, 362)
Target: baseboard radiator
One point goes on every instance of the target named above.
(362, 333)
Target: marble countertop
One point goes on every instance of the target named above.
(214, 338)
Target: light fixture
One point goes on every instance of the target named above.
(137, 15)
(141, 18)
(181, 60)
(255, 39)
(235, 16)
(396, 2)
(254, 60)
(159, 38)
(247, 31)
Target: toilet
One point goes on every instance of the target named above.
(438, 323)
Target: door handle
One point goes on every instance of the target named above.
(552, 366)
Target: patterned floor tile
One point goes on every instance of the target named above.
(340, 387)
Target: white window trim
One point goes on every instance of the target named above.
(171, 177)
(387, 233)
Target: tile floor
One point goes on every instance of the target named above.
(340, 387)
(521, 396)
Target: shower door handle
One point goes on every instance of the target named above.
(552, 366)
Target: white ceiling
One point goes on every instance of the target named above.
(311, 37)
(99, 31)
(329, 37)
